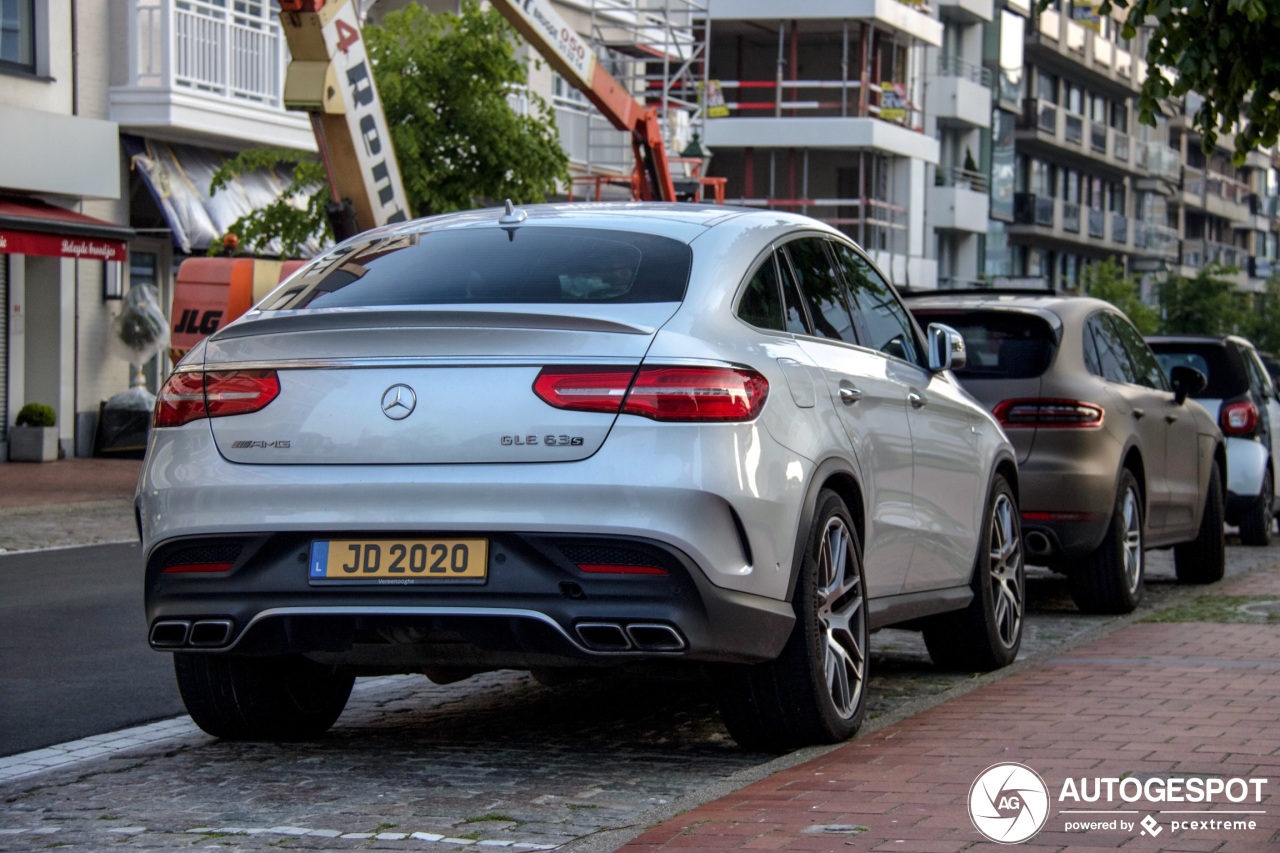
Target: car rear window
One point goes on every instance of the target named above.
(494, 265)
(1225, 373)
(1000, 344)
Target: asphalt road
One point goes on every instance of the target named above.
(74, 659)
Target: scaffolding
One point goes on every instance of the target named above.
(655, 49)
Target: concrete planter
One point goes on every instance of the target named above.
(33, 444)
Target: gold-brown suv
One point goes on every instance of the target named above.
(1114, 458)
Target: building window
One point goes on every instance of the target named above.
(17, 34)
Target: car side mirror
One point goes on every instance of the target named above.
(1186, 382)
(946, 349)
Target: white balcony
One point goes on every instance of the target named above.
(201, 72)
(910, 19)
(832, 133)
(960, 93)
(959, 207)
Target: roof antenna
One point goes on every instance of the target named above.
(512, 216)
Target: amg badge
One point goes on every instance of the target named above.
(547, 440)
(279, 445)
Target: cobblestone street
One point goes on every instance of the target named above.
(496, 761)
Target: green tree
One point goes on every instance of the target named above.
(294, 218)
(1263, 327)
(1106, 280)
(444, 81)
(1204, 304)
(1223, 49)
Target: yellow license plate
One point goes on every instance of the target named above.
(399, 560)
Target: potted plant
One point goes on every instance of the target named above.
(34, 437)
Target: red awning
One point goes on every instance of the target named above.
(29, 226)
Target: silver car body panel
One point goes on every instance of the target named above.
(732, 497)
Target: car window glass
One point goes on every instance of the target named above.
(1147, 370)
(532, 265)
(761, 303)
(1225, 374)
(1000, 344)
(884, 321)
(1258, 379)
(796, 322)
(822, 290)
(1112, 360)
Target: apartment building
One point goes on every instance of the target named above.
(1076, 179)
(64, 231)
(113, 116)
(818, 107)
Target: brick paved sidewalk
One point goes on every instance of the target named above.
(1205, 702)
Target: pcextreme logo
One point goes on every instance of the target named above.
(1009, 803)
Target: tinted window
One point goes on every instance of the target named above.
(493, 265)
(1112, 362)
(796, 322)
(883, 322)
(1146, 369)
(822, 290)
(1226, 374)
(1259, 379)
(1000, 344)
(761, 304)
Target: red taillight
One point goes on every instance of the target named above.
(1047, 413)
(717, 394)
(1239, 418)
(584, 389)
(192, 395)
(685, 394)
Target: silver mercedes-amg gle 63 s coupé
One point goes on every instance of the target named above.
(571, 437)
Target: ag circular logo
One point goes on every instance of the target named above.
(1008, 803)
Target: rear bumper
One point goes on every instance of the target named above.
(1066, 499)
(536, 608)
(1246, 467)
(726, 524)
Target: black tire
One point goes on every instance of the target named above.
(815, 691)
(1256, 521)
(986, 634)
(1110, 579)
(1204, 559)
(276, 698)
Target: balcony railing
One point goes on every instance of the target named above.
(1031, 209)
(1155, 239)
(1119, 228)
(1098, 137)
(1097, 223)
(964, 179)
(1200, 253)
(208, 48)
(1073, 130)
(1071, 217)
(889, 101)
(950, 65)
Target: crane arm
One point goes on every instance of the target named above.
(330, 78)
(572, 57)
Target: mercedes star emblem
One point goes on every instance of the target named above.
(398, 402)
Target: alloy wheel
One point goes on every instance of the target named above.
(1005, 570)
(842, 618)
(1133, 551)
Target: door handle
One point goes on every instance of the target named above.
(849, 394)
(1139, 414)
(1170, 418)
(916, 399)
